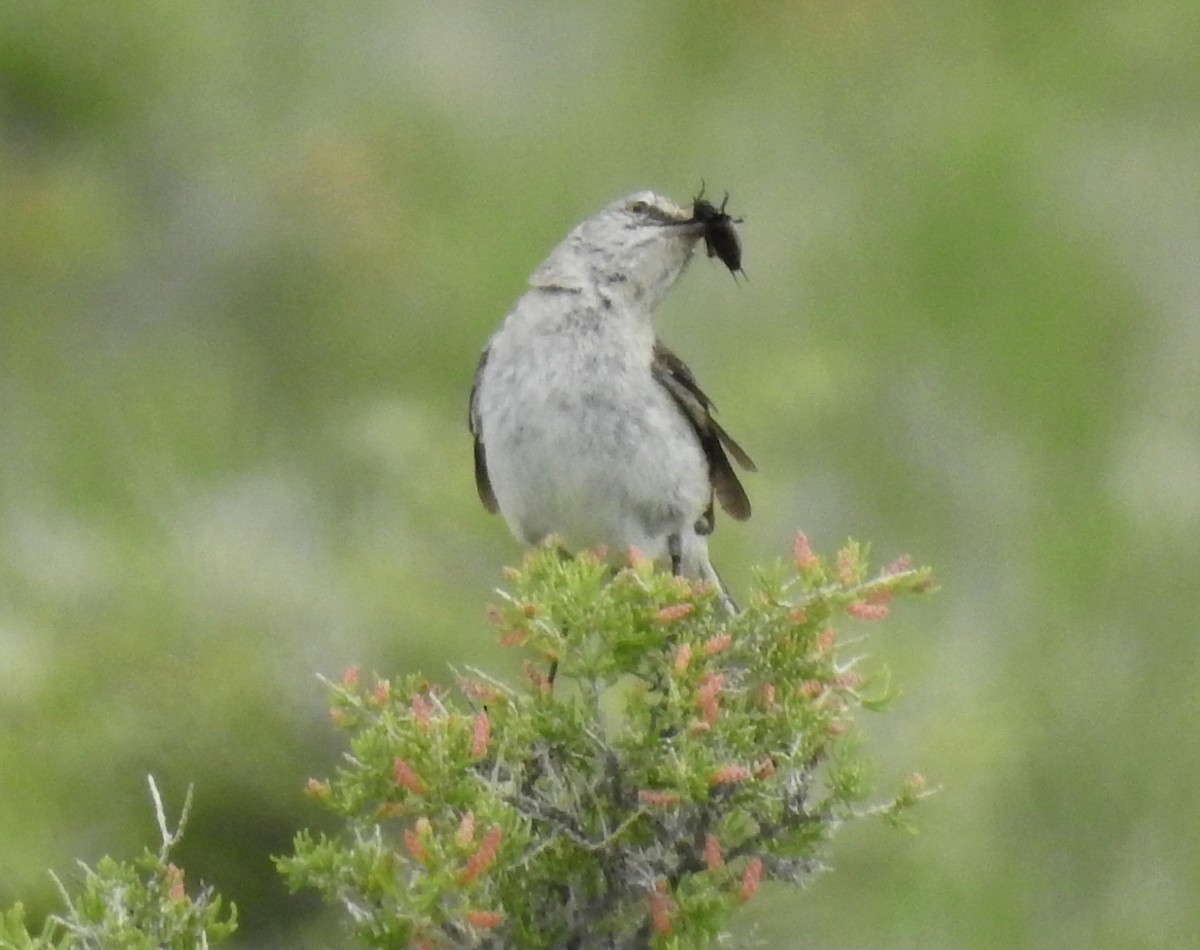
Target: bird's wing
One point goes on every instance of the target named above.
(482, 483)
(673, 375)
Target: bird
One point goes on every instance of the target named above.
(586, 427)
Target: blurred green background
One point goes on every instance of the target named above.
(249, 254)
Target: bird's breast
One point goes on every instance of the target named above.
(583, 442)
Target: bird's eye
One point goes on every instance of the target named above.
(639, 207)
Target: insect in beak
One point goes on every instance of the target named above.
(720, 236)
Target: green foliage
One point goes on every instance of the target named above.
(138, 905)
(662, 758)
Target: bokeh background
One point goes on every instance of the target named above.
(249, 254)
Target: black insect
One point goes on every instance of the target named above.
(720, 236)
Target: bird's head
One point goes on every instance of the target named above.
(632, 251)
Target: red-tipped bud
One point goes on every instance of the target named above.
(638, 561)
(750, 879)
(708, 696)
(538, 679)
(803, 553)
(422, 709)
(713, 858)
(729, 775)
(485, 919)
(479, 691)
(660, 909)
(414, 846)
(718, 643)
(483, 857)
(466, 830)
(899, 566)
(175, 889)
(674, 612)
(865, 611)
(406, 777)
(481, 731)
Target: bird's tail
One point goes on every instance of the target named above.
(709, 573)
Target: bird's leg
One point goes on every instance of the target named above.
(552, 672)
(675, 549)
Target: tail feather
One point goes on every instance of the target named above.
(709, 573)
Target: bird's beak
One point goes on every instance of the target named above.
(685, 221)
(677, 215)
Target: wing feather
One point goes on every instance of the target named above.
(483, 484)
(676, 378)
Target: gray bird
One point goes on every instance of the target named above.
(586, 427)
